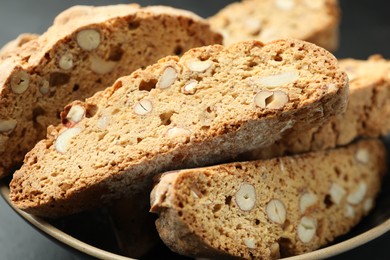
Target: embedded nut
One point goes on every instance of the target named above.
(315, 4)
(276, 211)
(246, 197)
(262, 97)
(177, 131)
(306, 201)
(190, 88)
(269, 34)
(207, 202)
(20, 82)
(66, 61)
(351, 76)
(275, 250)
(63, 139)
(362, 156)
(349, 211)
(278, 100)
(285, 4)
(44, 87)
(271, 99)
(100, 66)
(278, 80)
(331, 87)
(351, 73)
(290, 124)
(167, 78)
(306, 229)
(225, 34)
(357, 196)
(199, 66)
(157, 197)
(281, 166)
(305, 66)
(7, 125)
(103, 122)
(336, 193)
(76, 113)
(88, 39)
(368, 204)
(253, 25)
(196, 194)
(250, 242)
(143, 107)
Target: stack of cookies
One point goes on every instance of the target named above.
(268, 149)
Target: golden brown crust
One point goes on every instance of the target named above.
(367, 114)
(84, 51)
(201, 109)
(299, 203)
(265, 20)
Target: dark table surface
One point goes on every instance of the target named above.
(365, 30)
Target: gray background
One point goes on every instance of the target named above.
(365, 30)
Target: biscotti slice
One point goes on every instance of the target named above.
(271, 208)
(367, 114)
(315, 21)
(204, 108)
(85, 51)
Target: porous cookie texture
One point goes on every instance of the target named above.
(204, 108)
(268, 209)
(85, 51)
(367, 114)
(315, 21)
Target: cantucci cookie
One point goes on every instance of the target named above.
(85, 50)
(367, 114)
(204, 108)
(268, 209)
(315, 21)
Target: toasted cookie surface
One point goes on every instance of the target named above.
(85, 51)
(367, 114)
(315, 21)
(268, 209)
(206, 107)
